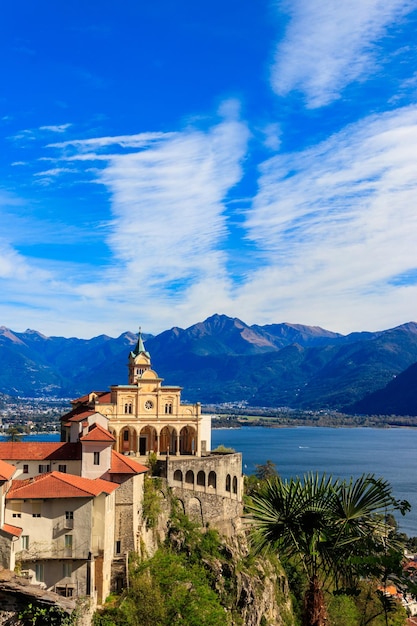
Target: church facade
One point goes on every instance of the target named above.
(146, 416)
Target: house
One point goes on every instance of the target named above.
(70, 510)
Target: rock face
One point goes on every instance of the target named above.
(261, 593)
(16, 594)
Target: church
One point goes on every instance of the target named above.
(144, 415)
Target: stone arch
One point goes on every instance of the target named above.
(128, 441)
(212, 480)
(228, 482)
(181, 503)
(234, 484)
(201, 478)
(189, 477)
(178, 475)
(195, 511)
(168, 440)
(188, 440)
(148, 441)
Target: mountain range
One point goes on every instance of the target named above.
(224, 360)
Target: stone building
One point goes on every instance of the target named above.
(144, 415)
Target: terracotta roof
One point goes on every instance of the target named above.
(11, 530)
(84, 399)
(39, 451)
(58, 485)
(77, 416)
(98, 433)
(6, 470)
(104, 398)
(121, 464)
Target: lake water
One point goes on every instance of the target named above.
(342, 452)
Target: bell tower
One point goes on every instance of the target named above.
(139, 361)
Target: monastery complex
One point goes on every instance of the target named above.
(71, 511)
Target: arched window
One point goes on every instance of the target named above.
(234, 484)
(189, 477)
(212, 480)
(168, 408)
(228, 482)
(178, 475)
(201, 478)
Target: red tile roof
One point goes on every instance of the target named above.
(77, 415)
(59, 485)
(121, 464)
(6, 470)
(98, 433)
(105, 398)
(39, 451)
(12, 530)
(85, 399)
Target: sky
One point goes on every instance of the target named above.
(163, 161)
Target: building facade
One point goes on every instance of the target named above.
(144, 415)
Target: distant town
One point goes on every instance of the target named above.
(26, 415)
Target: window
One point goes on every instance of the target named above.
(96, 458)
(36, 509)
(44, 468)
(66, 569)
(26, 469)
(16, 515)
(69, 514)
(62, 468)
(39, 572)
(17, 510)
(118, 547)
(128, 407)
(68, 545)
(168, 408)
(25, 542)
(66, 592)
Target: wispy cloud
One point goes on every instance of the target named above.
(168, 199)
(335, 225)
(330, 43)
(59, 128)
(169, 219)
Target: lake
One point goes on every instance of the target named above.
(342, 452)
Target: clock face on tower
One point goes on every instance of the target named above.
(148, 404)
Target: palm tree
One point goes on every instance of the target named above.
(324, 524)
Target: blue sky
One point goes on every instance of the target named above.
(163, 161)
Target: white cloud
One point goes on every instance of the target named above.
(335, 226)
(330, 43)
(168, 198)
(140, 140)
(58, 128)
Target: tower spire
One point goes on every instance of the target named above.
(140, 346)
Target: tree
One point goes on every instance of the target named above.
(15, 433)
(327, 526)
(267, 470)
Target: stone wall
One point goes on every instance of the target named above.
(208, 488)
